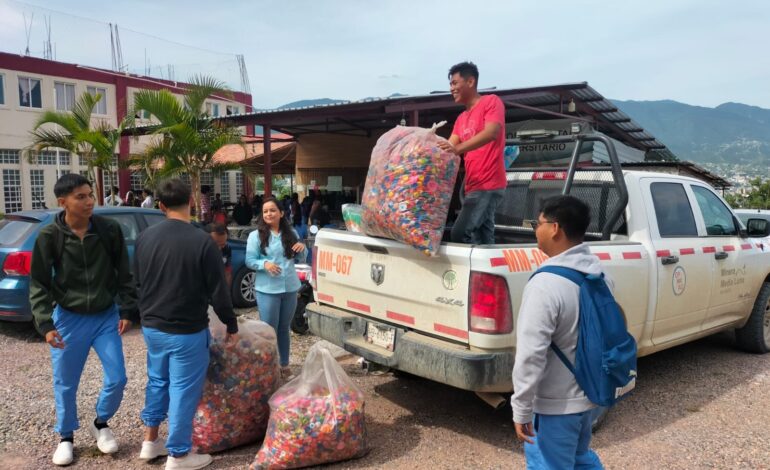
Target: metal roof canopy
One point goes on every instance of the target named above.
(361, 118)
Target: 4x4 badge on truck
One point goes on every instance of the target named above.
(378, 273)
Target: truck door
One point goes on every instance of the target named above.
(730, 287)
(683, 270)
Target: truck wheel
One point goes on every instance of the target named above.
(755, 335)
(243, 289)
(299, 322)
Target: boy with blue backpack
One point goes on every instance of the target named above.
(573, 351)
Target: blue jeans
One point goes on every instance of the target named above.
(80, 333)
(476, 222)
(176, 373)
(562, 442)
(277, 310)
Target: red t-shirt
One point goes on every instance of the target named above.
(485, 166)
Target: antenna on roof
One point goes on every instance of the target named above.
(47, 50)
(118, 49)
(112, 50)
(245, 85)
(28, 30)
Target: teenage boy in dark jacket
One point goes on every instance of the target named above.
(79, 265)
(179, 271)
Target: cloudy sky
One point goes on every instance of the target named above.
(702, 52)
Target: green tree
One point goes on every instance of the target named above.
(757, 197)
(76, 132)
(188, 139)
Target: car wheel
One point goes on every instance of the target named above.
(755, 335)
(244, 295)
(299, 323)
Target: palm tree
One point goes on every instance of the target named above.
(188, 138)
(74, 131)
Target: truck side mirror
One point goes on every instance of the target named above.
(758, 228)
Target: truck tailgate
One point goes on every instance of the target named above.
(393, 283)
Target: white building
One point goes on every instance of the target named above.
(29, 86)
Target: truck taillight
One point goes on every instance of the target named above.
(490, 304)
(314, 270)
(18, 263)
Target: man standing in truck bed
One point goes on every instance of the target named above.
(479, 133)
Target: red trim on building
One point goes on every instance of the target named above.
(632, 255)
(662, 253)
(358, 306)
(687, 251)
(325, 298)
(400, 317)
(709, 249)
(496, 262)
(603, 256)
(448, 330)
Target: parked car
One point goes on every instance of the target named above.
(18, 232)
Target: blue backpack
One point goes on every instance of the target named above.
(605, 359)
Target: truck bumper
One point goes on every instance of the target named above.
(415, 353)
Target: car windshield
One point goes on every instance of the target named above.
(13, 232)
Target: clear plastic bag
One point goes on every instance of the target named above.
(241, 377)
(409, 187)
(351, 214)
(316, 418)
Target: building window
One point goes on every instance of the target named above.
(9, 157)
(65, 96)
(137, 182)
(101, 106)
(2, 89)
(46, 157)
(212, 109)
(238, 183)
(60, 173)
(231, 110)
(29, 93)
(12, 190)
(64, 158)
(37, 185)
(224, 186)
(109, 178)
(207, 179)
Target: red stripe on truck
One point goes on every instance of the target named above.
(687, 251)
(632, 255)
(746, 246)
(325, 298)
(728, 248)
(709, 249)
(448, 330)
(603, 256)
(495, 262)
(662, 253)
(357, 306)
(400, 317)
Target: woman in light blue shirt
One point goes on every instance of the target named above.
(271, 251)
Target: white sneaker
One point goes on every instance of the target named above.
(188, 462)
(152, 449)
(63, 454)
(105, 440)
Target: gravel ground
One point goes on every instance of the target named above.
(701, 405)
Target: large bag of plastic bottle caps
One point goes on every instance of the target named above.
(409, 187)
(316, 418)
(241, 377)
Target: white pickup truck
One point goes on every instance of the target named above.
(684, 267)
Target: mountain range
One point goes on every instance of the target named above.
(729, 133)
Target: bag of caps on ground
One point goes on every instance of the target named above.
(316, 418)
(409, 187)
(241, 378)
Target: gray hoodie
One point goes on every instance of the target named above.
(549, 313)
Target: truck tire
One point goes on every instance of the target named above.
(243, 289)
(299, 323)
(755, 335)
